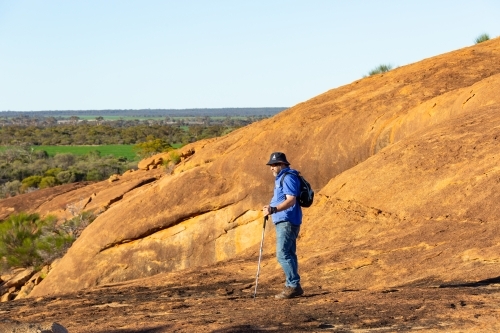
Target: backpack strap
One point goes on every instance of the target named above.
(286, 173)
(283, 178)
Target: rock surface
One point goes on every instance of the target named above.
(29, 202)
(19, 327)
(405, 219)
(19, 279)
(20, 283)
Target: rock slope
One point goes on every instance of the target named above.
(404, 165)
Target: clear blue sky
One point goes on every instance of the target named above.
(121, 54)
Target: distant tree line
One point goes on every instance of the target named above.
(48, 131)
(207, 112)
(87, 134)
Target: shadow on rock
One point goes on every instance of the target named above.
(248, 329)
(157, 329)
(481, 283)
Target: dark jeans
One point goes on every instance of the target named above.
(286, 239)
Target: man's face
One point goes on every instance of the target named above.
(276, 168)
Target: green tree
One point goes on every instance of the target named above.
(74, 119)
(151, 147)
(195, 130)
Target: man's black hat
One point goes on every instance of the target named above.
(277, 157)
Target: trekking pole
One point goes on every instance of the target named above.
(260, 256)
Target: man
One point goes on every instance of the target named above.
(287, 217)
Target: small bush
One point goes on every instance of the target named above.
(64, 160)
(47, 182)
(52, 172)
(21, 239)
(78, 223)
(175, 158)
(31, 181)
(30, 184)
(66, 177)
(93, 175)
(93, 155)
(40, 154)
(26, 240)
(17, 235)
(10, 189)
(482, 38)
(380, 69)
(171, 161)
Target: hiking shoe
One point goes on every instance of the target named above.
(290, 292)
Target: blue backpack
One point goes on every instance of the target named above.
(306, 193)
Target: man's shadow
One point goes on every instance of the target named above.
(481, 283)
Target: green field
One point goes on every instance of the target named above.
(118, 118)
(187, 118)
(105, 150)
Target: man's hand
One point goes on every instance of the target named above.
(289, 202)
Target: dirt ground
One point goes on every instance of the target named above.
(177, 302)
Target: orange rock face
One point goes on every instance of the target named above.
(405, 168)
